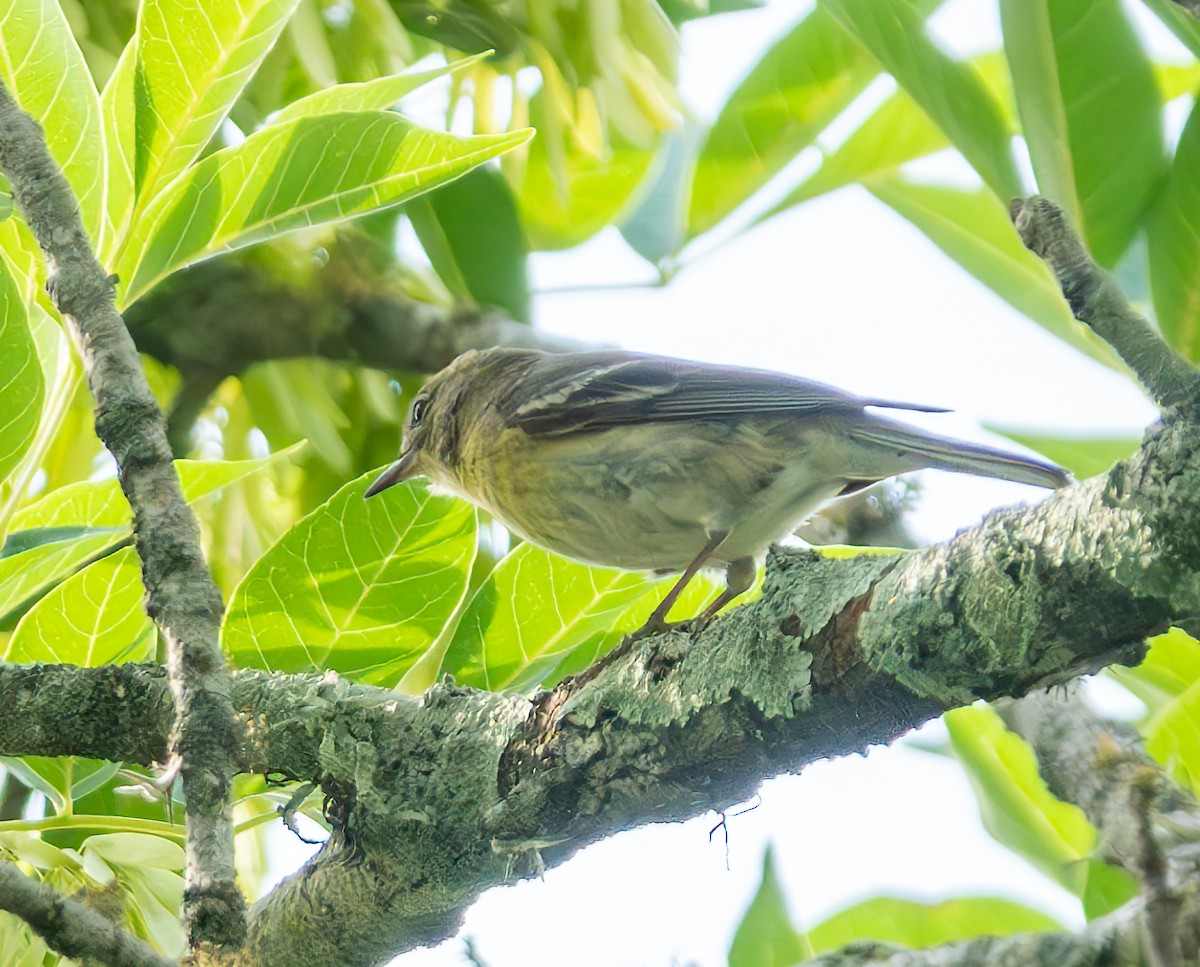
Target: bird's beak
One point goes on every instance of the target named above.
(398, 472)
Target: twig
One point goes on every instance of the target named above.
(1098, 302)
(181, 596)
(69, 927)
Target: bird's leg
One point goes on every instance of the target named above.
(658, 619)
(739, 576)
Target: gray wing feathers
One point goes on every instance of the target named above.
(944, 453)
(603, 390)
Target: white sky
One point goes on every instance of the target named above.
(843, 291)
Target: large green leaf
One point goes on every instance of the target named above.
(766, 937)
(897, 132)
(1079, 75)
(119, 113)
(913, 924)
(1020, 811)
(566, 193)
(472, 234)
(1183, 23)
(362, 587)
(61, 779)
(306, 171)
(21, 382)
(800, 85)
(950, 92)
(32, 572)
(93, 618)
(537, 611)
(42, 66)
(974, 229)
(373, 95)
(1168, 681)
(1174, 242)
(193, 60)
(100, 503)
(1083, 456)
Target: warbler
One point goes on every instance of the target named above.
(648, 462)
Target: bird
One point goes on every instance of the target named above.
(644, 462)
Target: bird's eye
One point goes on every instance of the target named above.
(418, 410)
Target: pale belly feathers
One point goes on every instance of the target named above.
(650, 497)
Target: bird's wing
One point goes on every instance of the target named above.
(595, 391)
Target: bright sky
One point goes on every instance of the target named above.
(843, 291)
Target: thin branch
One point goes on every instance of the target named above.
(1098, 302)
(69, 927)
(181, 595)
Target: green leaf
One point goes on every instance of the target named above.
(472, 234)
(193, 60)
(1182, 23)
(95, 617)
(30, 573)
(656, 229)
(974, 229)
(374, 95)
(807, 78)
(100, 503)
(1174, 243)
(1168, 680)
(303, 172)
(1170, 668)
(567, 194)
(950, 92)
(44, 69)
(766, 937)
(1083, 456)
(536, 612)
(1016, 807)
(913, 924)
(120, 133)
(61, 779)
(898, 132)
(362, 587)
(1080, 74)
(21, 381)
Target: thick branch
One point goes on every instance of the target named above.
(181, 595)
(272, 302)
(439, 799)
(1097, 301)
(69, 927)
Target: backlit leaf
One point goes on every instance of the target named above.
(42, 66)
(1079, 75)
(21, 381)
(1174, 243)
(302, 172)
(950, 92)
(362, 587)
(95, 617)
(800, 85)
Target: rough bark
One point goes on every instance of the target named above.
(181, 596)
(69, 927)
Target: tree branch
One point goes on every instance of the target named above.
(1106, 773)
(1098, 302)
(438, 799)
(69, 927)
(181, 596)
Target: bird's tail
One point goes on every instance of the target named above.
(959, 456)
